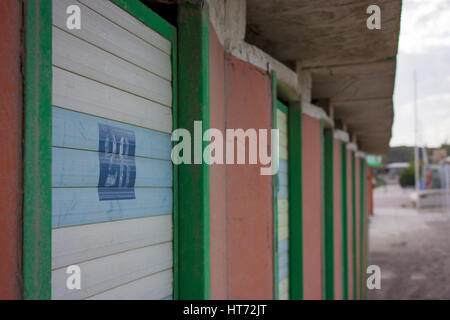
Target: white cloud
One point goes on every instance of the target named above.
(425, 25)
(424, 47)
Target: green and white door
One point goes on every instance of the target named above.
(112, 176)
(283, 204)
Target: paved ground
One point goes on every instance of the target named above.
(411, 248)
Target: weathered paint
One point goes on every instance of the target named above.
(11, 155)
(312, 208)
(249, 194)
(337, 221)
(350, 223)
(218, 205)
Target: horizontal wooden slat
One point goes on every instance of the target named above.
(283, 219)
(283, 165)
(283, 246)
(71, 91)
(79, 131)
(157, 286)
(283, 206)
(282, 178)
(283, 139)
(283, 291)
(282, 121)
(79, 168)
(77, 206)
(283, 232)
(128, 22)
(76, 244)
(283, 265)
(283, 153)
(108, 36)
(282, 192)
(108, 272)
(78, 56)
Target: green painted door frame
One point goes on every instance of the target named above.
(328, 196)
(354, 247)
(294, 115)
(362, 226)
(295, 174)
(190, 86)
(345, 275)
(37, 211)
(194, 180)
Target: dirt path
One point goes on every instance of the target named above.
(411, 248)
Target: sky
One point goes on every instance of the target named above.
(424, 46)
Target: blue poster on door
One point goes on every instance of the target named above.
(117, 163)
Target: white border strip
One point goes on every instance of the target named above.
(341, 135)
(318, 113)
(360, 154)
(352, 146)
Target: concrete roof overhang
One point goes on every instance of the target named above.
(351, 66)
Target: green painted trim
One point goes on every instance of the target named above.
(151, 19)
(282, 106)
(37, 211)
(362, 179)
(193, 206)
(295, 202)
(329, 212)
(275, 187)
(175, 171)
(141, 12)
(323, 205)
(344, 221)
(354, 260)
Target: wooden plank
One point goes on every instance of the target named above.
(283, 205)
(78, 168)
(283, 265)
(76, 244)
(283, 219)
(283, 192)
(157, 286)
(283, 246)
(283, 166)
(107, 272)
(125, 20)
(284, 289)
(283, 232)
(78, 56)
(77, 93)
(283, 153)
(77, 206)
(282, 178)
(108, 36)
(79, 131)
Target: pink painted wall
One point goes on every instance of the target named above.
(312, 208)
(249, 194)
(11, 155)
(350, 224)
(337, 221)
(218, 213)
(241, 214)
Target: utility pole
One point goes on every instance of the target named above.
(416, 142)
